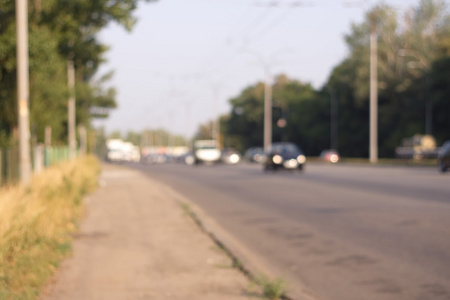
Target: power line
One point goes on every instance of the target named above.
(266, 30)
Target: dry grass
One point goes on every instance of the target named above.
(36, 222)
(272, 289)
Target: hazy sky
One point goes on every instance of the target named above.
(185, 59)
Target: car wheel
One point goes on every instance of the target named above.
(189, 160)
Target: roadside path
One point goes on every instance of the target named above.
(136, 242)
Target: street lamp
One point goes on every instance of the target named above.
(423, 64)
(333, 119)
(187, 106)
(71, 108)
(373, 123)
(215, 132)
(373, 90)
(266, 64)
(23, 91)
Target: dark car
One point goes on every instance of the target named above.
(330, 155)
(444, 157)
(254, 154)
(186, 158)
(230, 156)
(284, 156)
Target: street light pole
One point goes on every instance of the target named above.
(188, 105)
(215, 123)
(71, 109)
(373, 91)
(267, 137)
(333, 119)
(423, 64)
(266, 64)
(216, 87)
(267, 111)
(23, 90)
(373, 105)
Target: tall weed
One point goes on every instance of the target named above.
(36, 222)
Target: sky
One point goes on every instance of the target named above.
(185, 59)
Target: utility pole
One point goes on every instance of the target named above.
(333, 119)
(373, 105)
(23, 91)
(48, 137)
(83, 139)
(71, 109)
(215, 123)
(267, 119)
(216, 116)
(267, 111)
(373, 148)
(423, 64)
(266, 64)
(188, 105)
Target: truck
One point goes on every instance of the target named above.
(418, 146)
(206, 151)
(118, 150)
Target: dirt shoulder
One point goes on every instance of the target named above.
(136, 242)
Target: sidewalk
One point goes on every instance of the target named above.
(137, 242)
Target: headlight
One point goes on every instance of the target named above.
(277, 159)
(301, 159)
(234, 158)
(189, 160)
(290, 164)
(334, 158)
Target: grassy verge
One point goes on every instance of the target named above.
(272, 289)
(36, 222)
(426, 162)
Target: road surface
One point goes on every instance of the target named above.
(343, 231)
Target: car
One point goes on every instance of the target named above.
(154, 158)
(254, 154)
(330, 155)
(284, 155)
(444, 157)
(230, 156)
(186, 158)
(206, 151)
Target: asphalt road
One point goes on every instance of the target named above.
(343, 231)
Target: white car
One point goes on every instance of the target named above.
(206, 151)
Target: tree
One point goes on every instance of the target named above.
(440, 96)
(404, 57)
(245, 124)
(48, 89)
(413, 74)
(293, 100)
(59, 30)
(204, 131)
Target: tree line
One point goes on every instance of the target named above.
(413, 90)
(59, 31)
(413, 80)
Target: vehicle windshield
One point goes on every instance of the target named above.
(285, 148)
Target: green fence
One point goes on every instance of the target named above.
(9, 166)
(54, 155)
(45, 157)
